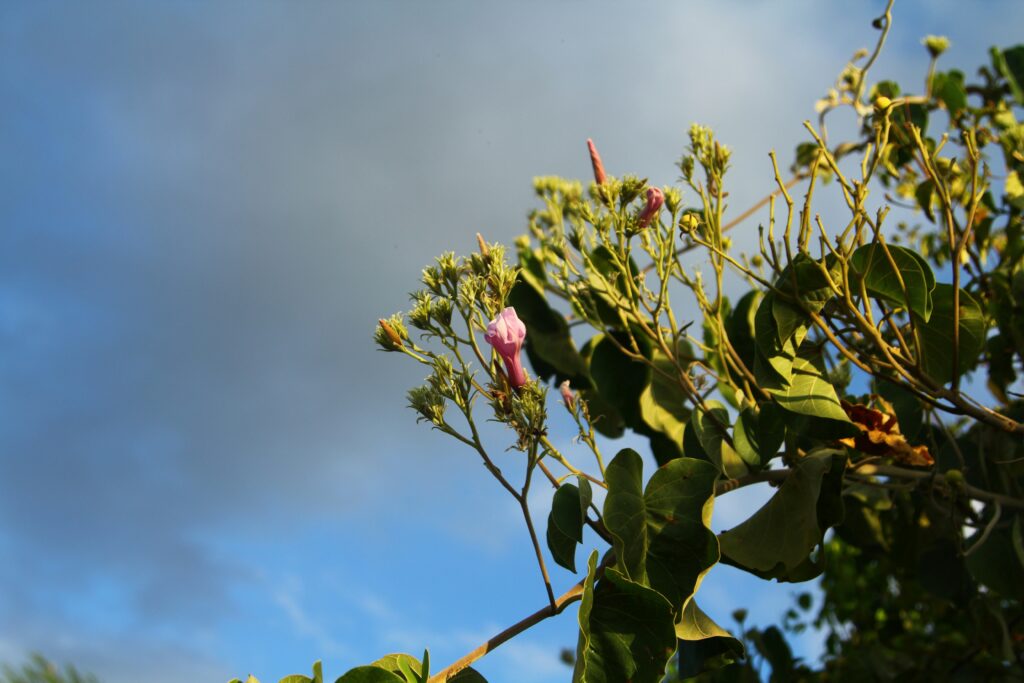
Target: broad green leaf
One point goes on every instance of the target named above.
(778, 537)
(773, 359)
(745, 437)
(711, 428)
(626, 630)
(549, 345)
(936, 335)
(369, 674)
(624, 513)
(678, 502)
(566, 520)
(870, 264)
(619, 379)
(740, 327)
(296, 678)
(771, 430)
(1010, 63)
(949, 88)
(393, 662)
(809, 391)
(663, 402)
(702, 642)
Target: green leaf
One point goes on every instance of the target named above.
(711, 428)
(745, 438)
(936, 335)
(778, 538)
(620, 379)
(663, 402)
(949, 89)
(393, 662)
(703, 643)
(624, 513)
(626, 630)
(1010, 63)
(566, 520)
(775, 649)
(678, 502)
(369, 674)
(809, 391)
(869, 263)
(467, 675)
(296, 678)
(773, 359)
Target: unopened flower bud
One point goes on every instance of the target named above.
(595, 161)
(389, 334)
(506, 334)
(936, 45)
(568, 397)
(882, 103)
(655, 199)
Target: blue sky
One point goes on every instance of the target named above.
(205, 468)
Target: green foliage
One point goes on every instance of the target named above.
(38, 669)
(920, 483)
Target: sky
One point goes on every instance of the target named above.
(206, 468)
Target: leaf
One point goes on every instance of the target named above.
(948, 87)
(565, 521)
(778, 537)
(468, 675)
(619, 379)
(711, 428)
(393, 662)
(624, 514)
(870, 264)
(1010, 63)
(775, 649)
(936, 335)
(678, 502)
(626, 630)
(809, 391)
(745, 438)
(663, 402)
(701, 640)
(296, 678)
(369, 674)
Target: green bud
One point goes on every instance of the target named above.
(935, 45)
(955, 478)
(428, 404)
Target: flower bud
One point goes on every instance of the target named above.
(595, 161)
(568, 397)
(655, 199)
(935, 45)
(506, 334)
(882, 103)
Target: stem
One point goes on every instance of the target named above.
(570, 596)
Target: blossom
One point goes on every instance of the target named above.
(655, 198)
(506, 334)
(567, 396)
(595, 161)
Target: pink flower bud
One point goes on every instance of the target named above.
(595, 161)
(568, 397)
(655, 198)
(506, 334)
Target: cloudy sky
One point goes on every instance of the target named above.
(205, 468)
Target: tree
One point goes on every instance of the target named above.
(869, 372)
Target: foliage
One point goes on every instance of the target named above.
(41, 670)
(869, 371)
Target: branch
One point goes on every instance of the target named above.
(570, 596)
